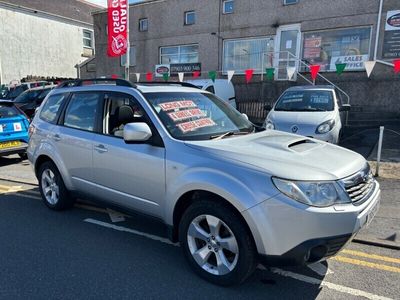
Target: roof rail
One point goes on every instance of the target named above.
(81, 82)
(184, 84)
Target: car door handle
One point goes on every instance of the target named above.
(56, 137)
(100, 148)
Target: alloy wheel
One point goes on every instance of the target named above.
(50, 187)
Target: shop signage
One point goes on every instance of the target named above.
(162, 69)
(353, 62)
(391, 42)
(117, 27)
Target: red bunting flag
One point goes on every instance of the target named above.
(149, 76)
(314, 69)
(396, 63)
(114, 76)
(117, 27)
(196, 74)
(249, 74)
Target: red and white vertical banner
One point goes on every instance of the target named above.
(118, 39)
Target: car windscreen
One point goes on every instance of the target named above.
(305, 100)
(28, 96)
(16, 91)
(8, 110)
(197, 116)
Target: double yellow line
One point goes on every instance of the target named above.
(5, 189)
(368, 264)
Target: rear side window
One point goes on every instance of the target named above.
(50, 109)
(7, 111)
(81, 111)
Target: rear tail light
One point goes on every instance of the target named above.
(31, 130)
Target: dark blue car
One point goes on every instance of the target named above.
(14, 126)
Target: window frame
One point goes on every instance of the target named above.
(179, 53)
(96, 127)
(141, 26)
(223, 7)
(186, 23)
(131, 57)
(91, 39)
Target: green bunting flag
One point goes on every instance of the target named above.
(270, 73)
(212, 75)
(340, 68)
(165, 76)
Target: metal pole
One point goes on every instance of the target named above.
(128, 50)
(378, 29)
(378, 159)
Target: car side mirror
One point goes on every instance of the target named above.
(267, 107)
(345, 107)
(137, 132)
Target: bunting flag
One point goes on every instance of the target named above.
(230, 75)
(212, 75)
(196, 74)
(114, 76)
(249, 75)
(165, 76)
(181, 75)
(396, 63)
(137, 77)
(369, 66)
(340, 68)
(270, 73)
(314, 69)
(149, 76)
(290, 72)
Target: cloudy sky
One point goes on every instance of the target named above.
(104, 2)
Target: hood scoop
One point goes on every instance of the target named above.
(302, 145)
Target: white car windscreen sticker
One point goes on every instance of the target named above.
(177, 105)
(17, 126)
(193, 125)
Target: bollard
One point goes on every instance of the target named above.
(378, 159)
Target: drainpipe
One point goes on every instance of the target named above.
(1, 72)
(378, 30)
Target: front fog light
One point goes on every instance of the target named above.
(270, 126)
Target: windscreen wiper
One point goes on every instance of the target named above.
(229, 133)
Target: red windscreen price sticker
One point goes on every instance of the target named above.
(186, 114)
(177, 105)
(193, 125)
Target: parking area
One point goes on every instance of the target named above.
(100, 253)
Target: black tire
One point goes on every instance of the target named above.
(247, 254)
(23, 156)
(64, 199)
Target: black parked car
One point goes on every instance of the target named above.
(29, 100)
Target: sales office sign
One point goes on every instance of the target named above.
(392, 20)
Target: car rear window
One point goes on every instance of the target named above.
(49, 112)
(8, 110)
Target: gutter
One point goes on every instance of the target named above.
(142, 3)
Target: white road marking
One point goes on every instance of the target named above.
(320, 269)
(124, 229)
(329, 285)
(115, 216)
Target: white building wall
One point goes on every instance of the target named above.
(38, 44)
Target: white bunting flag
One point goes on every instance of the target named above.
(181, 75)
(230, 75)
(290, 72)
(137, 77)
(369, 66)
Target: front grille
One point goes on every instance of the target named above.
(360, 185)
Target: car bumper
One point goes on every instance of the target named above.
(14, 150)
(290, 233)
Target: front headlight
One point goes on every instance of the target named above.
(269, 125)
(320, 194)
(325, 127)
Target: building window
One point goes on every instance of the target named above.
(328, 48)
(190, 17)
(179, 54)
(144, 24)
(228, 6)
(243, 54)
(132, 57)
(288, 2)
(87, 38)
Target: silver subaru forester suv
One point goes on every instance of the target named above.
(232, 194)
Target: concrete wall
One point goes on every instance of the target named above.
(38, 44)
